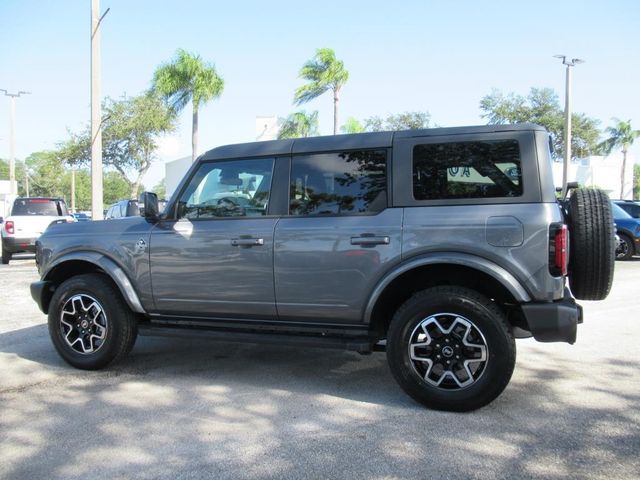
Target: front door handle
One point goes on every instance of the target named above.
(369, 240)
(247, 242)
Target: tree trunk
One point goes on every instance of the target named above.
(624, 167)
(336, 100)
(194, 133)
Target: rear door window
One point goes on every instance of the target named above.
(339, 183)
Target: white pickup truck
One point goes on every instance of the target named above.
(28, 219)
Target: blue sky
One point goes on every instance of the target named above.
(439, 56)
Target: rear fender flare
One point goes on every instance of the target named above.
(505, 278)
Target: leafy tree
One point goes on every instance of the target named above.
(352, 125)
(160, 189)
(636, 182)
(19, 169)
(187, 78)
(400, 121)
(115, 188)
(541, 106)
(131, 128)
(622, 136)
(299, 124)
(324, 72)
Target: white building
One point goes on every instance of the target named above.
(601, 172)
(6, 198)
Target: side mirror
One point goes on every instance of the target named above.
(149, 201)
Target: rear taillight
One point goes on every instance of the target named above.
(9, 227)
(558, 250)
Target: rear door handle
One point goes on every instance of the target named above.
(369, 240)
(247, 242)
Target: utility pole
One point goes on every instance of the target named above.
(26, 179)
(73, 189)
(96, 113)
(12, 137)
(567, 118)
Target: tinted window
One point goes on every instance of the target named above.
(467, 170)
(39, 206)
(339, 183)
(235, 188)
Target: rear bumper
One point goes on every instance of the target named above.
(16, 245)
(554, 321)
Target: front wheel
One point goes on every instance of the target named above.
(451, 348)
(89, 322)
(624, 250)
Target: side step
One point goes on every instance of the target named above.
(361, 344)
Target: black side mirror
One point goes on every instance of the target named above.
(149, 202)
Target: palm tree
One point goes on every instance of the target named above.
(621, 136)
(187, 78)
(299, 124)
(324, 73)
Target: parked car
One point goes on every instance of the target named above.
(628, 229)
(441, 246)
(81, 217)
(129, 208)
(30, 216)
(629, 206)
(123, 208)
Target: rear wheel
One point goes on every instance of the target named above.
(89, 322)
(451, 348)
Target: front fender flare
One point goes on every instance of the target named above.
(111, 268)
(505, 278)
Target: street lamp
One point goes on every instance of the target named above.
(12, 137)
(567, 117)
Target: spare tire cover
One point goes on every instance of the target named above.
(592, 244)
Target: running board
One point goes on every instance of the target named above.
(361, 344)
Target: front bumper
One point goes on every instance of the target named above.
(554, 321)
(41, 292)
(16, 245)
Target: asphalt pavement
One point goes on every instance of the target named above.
(180, 409)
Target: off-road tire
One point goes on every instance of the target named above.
(121, 329)
(592, 244)
(489, 320)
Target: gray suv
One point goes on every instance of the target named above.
(440, 246)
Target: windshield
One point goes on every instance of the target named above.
(618, 212)
(39, 206)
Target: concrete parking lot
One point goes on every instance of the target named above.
(194, 409)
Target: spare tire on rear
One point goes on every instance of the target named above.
(592, 244)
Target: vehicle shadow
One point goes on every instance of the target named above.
(179, 408)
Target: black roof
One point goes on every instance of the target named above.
(349, 141)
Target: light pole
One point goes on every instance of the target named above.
(96, 113)
(567, 117)
(12, 137)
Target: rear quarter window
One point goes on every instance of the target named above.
(473, 169)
